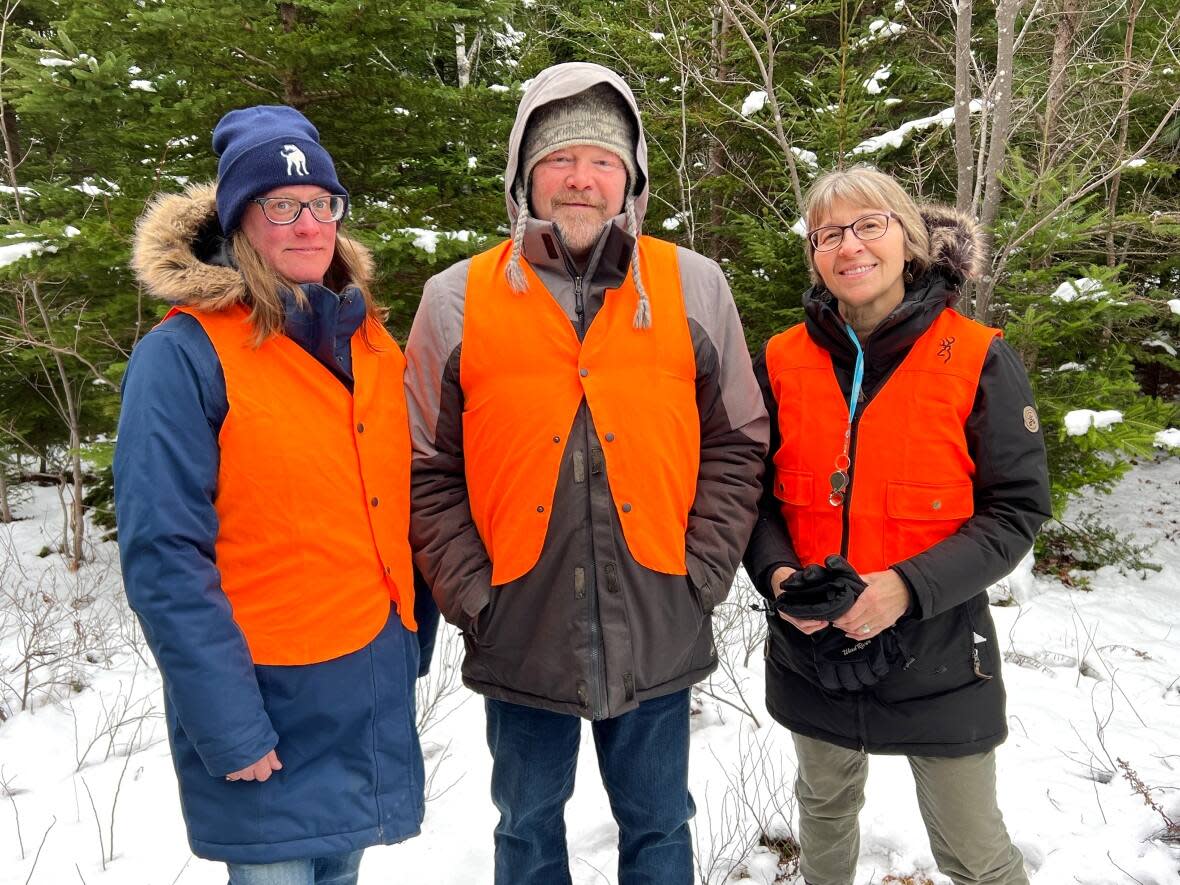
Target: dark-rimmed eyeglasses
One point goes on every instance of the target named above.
(286, 210)
(868, 227)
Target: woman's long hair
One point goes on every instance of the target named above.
(873, 189)
(264, 283)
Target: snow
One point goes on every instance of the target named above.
(896, 137)
(71, 231)
(1079, 421)
(101, 188)
(401, 112)
(655, 35)
(1174, 305)
(1071, 367)
(1083, 289)
(427, 240)
(754, 102)
(498, 87)
(800, 227)
(874, 85)
(472, 162)
(17, 251)
(23, 191)
(142, 85)
(672, 223)
(1135, 164)
(1162, 344)
(1090, 676)
(806, 157)
(1168, 439)
(51, 61)
(880, 29)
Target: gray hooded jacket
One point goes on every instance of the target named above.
(588, 630)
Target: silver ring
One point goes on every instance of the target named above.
(865, 628)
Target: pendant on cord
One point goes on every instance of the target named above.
(839, 481)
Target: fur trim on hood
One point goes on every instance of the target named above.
(957, 245)
(174, 237)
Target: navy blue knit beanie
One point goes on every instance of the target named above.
(262, 148)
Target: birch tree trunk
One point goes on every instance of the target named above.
(465, 57)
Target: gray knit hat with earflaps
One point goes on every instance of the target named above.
(598, 116)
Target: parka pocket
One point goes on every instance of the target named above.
(483, 620)
(922, 514)
(796, 490)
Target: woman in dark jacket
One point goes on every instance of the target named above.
(262, 494)
(907, 443)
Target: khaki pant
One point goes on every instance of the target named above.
(957, 798)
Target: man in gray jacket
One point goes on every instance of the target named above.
(588, 443)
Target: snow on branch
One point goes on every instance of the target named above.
(1079, 421)
(895, 138)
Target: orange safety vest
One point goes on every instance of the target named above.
(313, 492)
(912, 478)
(524, 374)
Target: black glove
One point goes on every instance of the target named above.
(847, 664)
(820, 593)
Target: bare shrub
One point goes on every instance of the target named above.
(752, 815)
(737, 635)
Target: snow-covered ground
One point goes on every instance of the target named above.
(1093, 684)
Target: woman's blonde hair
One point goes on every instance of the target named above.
(264, 283)
(869, 187)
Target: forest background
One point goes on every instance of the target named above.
(1056, 122)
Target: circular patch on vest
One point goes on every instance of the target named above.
(1031, 422)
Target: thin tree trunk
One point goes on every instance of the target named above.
(964, 144)
(716, 152)
(65, 400)
(1112, 199)
(293, 93)
(5, 509)
(464, 57)
(1068, 18)
(1006, 12)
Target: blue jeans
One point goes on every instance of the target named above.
(643, 760)
(336, 869)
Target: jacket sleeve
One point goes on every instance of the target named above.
(1011, 494)
(770, 545)
(733, 432)
(165, 468)
(447, 546)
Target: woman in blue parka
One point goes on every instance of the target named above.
(262, 495)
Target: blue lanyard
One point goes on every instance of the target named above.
(858, 375)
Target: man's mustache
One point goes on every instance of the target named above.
(556, 202)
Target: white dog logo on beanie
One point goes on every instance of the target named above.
(296, 161)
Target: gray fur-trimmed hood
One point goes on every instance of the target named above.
(173, 242)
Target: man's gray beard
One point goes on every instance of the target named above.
(580, 234)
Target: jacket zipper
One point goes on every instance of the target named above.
(597, 677)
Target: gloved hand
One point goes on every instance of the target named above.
(820, 593)
(847, 664)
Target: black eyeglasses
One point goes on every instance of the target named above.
(868, 227)
(286, 210)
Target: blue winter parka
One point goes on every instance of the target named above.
(343, 729)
